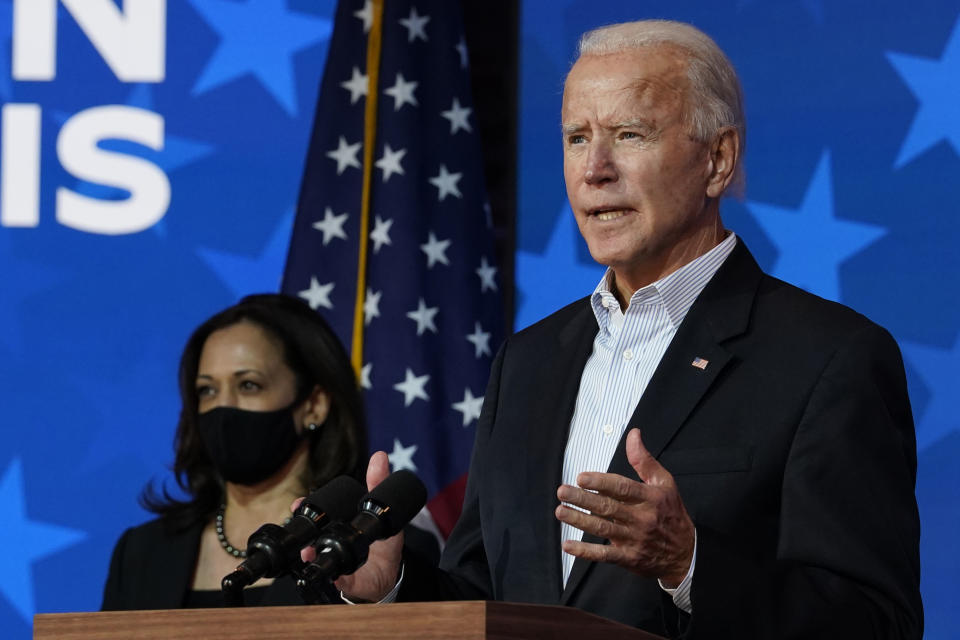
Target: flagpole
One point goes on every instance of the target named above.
(374, 43)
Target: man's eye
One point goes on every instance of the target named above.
(576, 139)
(629, 135)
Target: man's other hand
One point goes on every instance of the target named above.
(649, 529)
(378, 575)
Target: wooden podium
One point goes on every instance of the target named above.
(471, 620)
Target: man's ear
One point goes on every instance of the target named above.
(724, 153)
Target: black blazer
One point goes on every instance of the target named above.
(151, 568)
(794, 452)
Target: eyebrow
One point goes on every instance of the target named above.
(634, 123)
(235, 374)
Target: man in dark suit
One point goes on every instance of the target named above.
(771, 492)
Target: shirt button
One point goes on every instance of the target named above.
(628, 354)
(607, 429)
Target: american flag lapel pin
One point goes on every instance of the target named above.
(700, 363)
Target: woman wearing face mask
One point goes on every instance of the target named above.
(270, 412)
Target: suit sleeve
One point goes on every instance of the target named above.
(113, 590)
(847, 555)
(464, 573)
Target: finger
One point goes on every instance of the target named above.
(643, 462)
(594, 552)
(296, 503)
(378, 469)
(597, 503)
(344, 584)
(613, 485)
(590, 523)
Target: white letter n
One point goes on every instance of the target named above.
(131, 41)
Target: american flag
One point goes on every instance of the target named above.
(393, 242)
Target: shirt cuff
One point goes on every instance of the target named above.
(681, 594)
(387, 599)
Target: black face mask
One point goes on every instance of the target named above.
(248, 447)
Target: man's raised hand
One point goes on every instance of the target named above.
(649, 529)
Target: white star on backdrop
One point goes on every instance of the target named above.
(365, 15)
(318, 295)
(345, 154)
(415, 25)
(402, 457)
(356, 85)
(389, 163)
(402, 92)
(381, 233)
(446, 183)
(412, 387)
(423, 316)
(331, 226)
(457, 115)
(436, 250)
(469, 407)
(480, 340)
(371, 305)
(486, 273)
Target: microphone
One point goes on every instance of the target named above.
(273, 550)
(383, 512)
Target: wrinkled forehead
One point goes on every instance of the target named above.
(654, 72)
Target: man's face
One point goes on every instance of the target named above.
(635, 178)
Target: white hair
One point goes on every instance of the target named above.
(716, 99)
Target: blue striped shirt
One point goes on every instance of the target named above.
(626, 352)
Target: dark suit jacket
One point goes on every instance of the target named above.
(793, 450)
(152, 569)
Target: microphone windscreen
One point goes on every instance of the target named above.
(337, 499)
(403, 494)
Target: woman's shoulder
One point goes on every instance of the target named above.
(150, 566)
(158, 531)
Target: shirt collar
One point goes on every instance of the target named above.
(676, 291)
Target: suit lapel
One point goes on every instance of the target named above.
(547, 439)
(172, 571)
(721, 312)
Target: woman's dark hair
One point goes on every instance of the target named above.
(316, 357)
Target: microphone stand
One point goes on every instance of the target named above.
(313, 588)
(232, 587)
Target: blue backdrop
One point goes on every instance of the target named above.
(107, 263)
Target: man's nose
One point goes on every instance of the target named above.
(600, 164)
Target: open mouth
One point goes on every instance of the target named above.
(605, 214)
